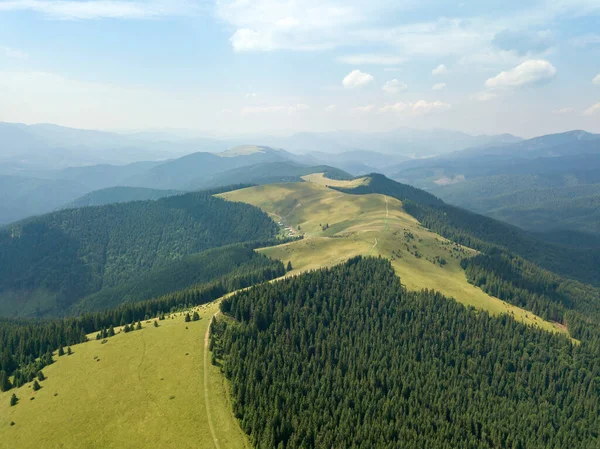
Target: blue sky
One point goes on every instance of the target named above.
(240, 66)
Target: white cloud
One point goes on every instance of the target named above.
(97, 9)
(13, 53)
(396, 107)
(330, 108)
(438, 86)
(593, 109)
(356, 78)
(529, 73)
(371, 59)
(440, 70)
(560, 111)
(425, 107)
(392, 69)
(364, 109)
(291, 109)
(420, 107)
(251, 95)
(394, 87)
(596, 80)
(267, 25)
(484, 96)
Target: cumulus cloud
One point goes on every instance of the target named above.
(291, 109)
(593, 109)
(371, 59)
(560, 111)
(596, 80)
(356, 78)
(440, 70)
(394, 87)
(438, 86)
(529, 73)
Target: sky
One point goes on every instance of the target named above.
(234, 67)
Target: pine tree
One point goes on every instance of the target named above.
(13, 400)
(138, 326)
(69, 352)
(41, 376)
(187, 317)
(36, 385)
(195, 316)
(289, 266)
(111, 331)
(126, 328)
(61, 351)
(155, 323)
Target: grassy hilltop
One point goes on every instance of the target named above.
(337, 226)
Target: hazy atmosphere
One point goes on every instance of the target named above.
(300, 224)
(235, 67)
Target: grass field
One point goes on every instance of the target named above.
(337, 226)
(142, 389)
(319, 178)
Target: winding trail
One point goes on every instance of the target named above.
(206, 401)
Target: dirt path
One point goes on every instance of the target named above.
(206, 401)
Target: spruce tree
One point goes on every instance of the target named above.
(138, 326)
(111, 331)
(187, 317)
(4, 381)
(155, 323)
(69, 352)
(289, 266)
(41, 376)
(36, 385)
(195, 316)
(61, 351)
(13, 400)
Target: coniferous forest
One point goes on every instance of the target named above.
(345, 357)
(67, 255)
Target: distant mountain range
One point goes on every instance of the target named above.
(549, 184)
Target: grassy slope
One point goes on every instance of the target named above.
(123, 400)
(370, 225)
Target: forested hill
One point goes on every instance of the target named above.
(50, 262)
(345, 357)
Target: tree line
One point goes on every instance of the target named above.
(26, 346)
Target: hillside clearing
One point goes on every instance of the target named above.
(321, 179)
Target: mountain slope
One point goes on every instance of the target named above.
(21, 197)
(52, 261)
(194, 169)
(267, 173)
(112, 195)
